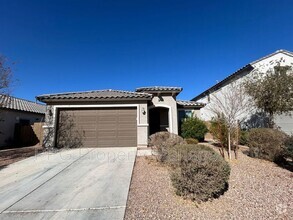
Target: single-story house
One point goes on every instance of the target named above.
(279, 57)
(114, 118)
(17, 112)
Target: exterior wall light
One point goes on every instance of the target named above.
(50, 112)
(143, 111)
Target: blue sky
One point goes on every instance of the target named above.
(72, 45)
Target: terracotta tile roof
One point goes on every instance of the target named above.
(102, 95)
(185, 103)
(9, 102)
(159, 89)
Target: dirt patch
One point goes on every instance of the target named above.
(257, 190)
(9, 156)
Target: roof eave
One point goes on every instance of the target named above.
(62, 100)
(20, 110)
(189, 107)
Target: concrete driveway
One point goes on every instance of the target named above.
(73, 184)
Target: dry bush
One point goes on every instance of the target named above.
(289, 148)
(202, 174)
(162, 141)
(191, 141)
(174, 154)
(266, 143)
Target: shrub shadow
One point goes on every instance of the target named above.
(288, 165)
(2, 167)
(222, 192)
(283, 163)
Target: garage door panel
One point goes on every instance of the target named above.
(106, 122)
(122, 143)
(126, 112)
(125, 125)
(87, 127)
(125, 132)
(107, 134)
(121, 123)
(104, 127)
(107, 143)
(108, 112)
(89, 134)
(124, 139)
(90, 143)
(86, 119)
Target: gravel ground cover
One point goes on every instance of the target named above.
(258, 189)
(9, 156)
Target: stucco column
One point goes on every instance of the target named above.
(49, 127)
(142, 125)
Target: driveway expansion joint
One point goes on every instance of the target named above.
(65, 210)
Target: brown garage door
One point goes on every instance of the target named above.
(106, 127)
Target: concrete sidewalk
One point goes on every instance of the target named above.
(79, 184)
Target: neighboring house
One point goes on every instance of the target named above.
(114, 118)
(283, 57)
(14, 112)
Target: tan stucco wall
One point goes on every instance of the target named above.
(142, 126)
(8, 120)
(168, 101)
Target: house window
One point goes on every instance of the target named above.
(183, 114)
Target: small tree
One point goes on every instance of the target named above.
(67, 136)
(219, 130)
(272, 91)
(231, 105)
(5, 84)
(5, 77)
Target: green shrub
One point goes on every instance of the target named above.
(193, 128)
(243, 139)
(266, 143)
(162, 142)
(191, 141)
(202, 174)
(289, 148)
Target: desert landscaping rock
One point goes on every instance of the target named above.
(257, 190)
